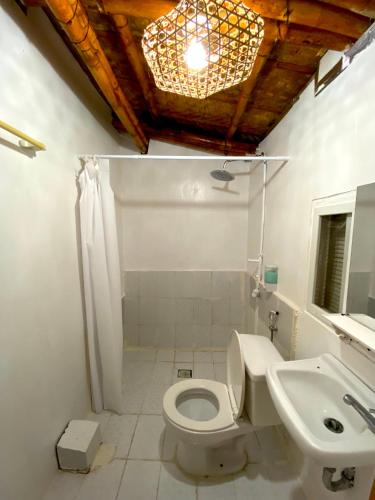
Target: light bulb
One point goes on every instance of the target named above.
(196, 56)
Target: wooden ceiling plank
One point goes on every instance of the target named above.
(248, 86)
(302, 35)
(136, 60)
(363, 7)
(305, 12)
(72, 18)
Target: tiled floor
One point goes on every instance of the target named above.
(143, 468)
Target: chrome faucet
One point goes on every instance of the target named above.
(365, 414)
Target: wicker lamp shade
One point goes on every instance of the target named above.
(203, 46)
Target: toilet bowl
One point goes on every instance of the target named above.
(211, 420)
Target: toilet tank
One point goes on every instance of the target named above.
(259, 353)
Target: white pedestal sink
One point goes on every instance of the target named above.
(307, 393)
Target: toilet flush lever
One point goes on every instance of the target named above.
(272, 322)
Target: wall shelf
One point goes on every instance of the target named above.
(350, 330)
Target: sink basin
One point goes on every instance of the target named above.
(308, 395)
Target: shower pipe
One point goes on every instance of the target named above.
(262, 158)
(259, 260)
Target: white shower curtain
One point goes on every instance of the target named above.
(102, 285)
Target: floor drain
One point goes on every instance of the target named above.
(183, 373)
(334, 425)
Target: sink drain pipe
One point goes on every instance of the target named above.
(345, 482)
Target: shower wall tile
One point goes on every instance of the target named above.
(131, 283)
(130, 310)
(203, 312)
(131, 335)
(184, 311)
(184, 336)
(181, 308)
(231, 284)
(159, 311)
(257, 319)
(165, 336)
(192, 284)
(237, 312)
(148, 284)
(220, 311)
(147, 335)
(201, 336)
(157, 284)
(220, 335)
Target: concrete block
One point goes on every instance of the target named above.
(78, 445)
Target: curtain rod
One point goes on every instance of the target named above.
(165, 157)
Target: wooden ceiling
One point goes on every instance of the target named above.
(105, 35)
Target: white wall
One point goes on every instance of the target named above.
(43, 380)
(330, 142)
(174, 219)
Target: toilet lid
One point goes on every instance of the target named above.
(236, 374)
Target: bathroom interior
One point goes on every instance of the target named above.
(188, 283)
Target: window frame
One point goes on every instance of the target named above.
(333, 205)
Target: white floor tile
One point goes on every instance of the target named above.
(267, 483)
(203, 357)
(162, 374)
(137, 377)
(148, 439)
(217, 489)
(183, 356)
(140, 481)
(161, 380)
(204, 370)
(133, 400)
(220, 371)
(253, 449)
(272, 446)
(64, 486)
(220, 356)
(102, 418)
(169, 446)
(173, 484)
(119, 431)
(103, 483)
(153, 402)
(165, 355)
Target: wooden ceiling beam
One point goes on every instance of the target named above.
(136, 60)
(200, 141)
(72, 17)
(248, 86)
(363, 7)
(304, 12)
(172, 133)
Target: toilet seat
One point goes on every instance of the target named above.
(229, 399)
(217, 390)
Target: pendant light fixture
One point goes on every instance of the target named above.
(203, 46)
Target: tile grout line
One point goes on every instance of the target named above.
(121, 478)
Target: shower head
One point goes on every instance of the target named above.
(222, 174)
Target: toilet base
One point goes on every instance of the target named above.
(228, 458)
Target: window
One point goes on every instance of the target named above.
(330, 262)
(330, 249)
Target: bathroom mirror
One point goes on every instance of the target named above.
(361, 285)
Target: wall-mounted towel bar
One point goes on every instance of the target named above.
(26, 140)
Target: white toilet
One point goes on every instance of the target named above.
(211, 420)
